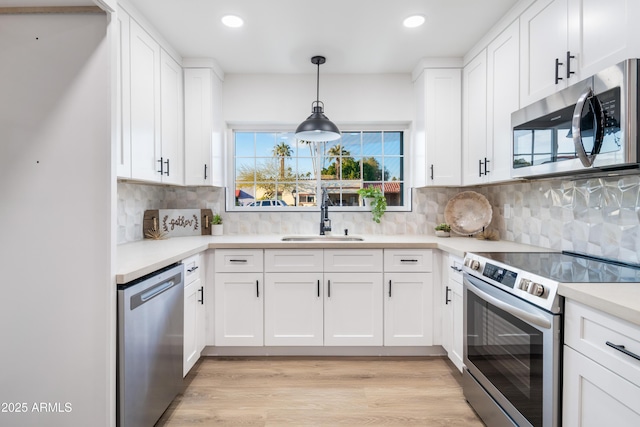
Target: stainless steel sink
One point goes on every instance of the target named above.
(322, 239)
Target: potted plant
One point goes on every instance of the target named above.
(375, 199)
(216, 225)
(443, 230)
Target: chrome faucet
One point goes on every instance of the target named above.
(325, 222)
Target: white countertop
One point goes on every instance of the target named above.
(619, 299)
(137, 259)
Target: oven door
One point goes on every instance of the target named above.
(512, 349)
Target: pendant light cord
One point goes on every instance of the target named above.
(318, 84)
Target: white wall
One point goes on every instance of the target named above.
(348, 98)
(57, 300)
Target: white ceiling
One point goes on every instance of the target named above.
(281, 36)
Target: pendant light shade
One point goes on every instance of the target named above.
(317, 127)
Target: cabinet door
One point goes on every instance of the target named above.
(457, 319)
(543, 39)
(353, 309)
(239, 309)
(123, 116)
(408, 309)
(503, 98)
(145, 104)
(171, 113)
(602, 34)
(474, 136)
(595, 396)
(218, 151)
(293, 309)
(443, 127)
(193, 325)
(198, 118)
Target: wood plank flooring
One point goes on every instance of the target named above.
(321, 391)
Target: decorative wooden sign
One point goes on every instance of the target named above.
(178, 222)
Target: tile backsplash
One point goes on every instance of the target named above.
(599, 216)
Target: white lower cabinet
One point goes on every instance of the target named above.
(452, 313)
(239, 309)
(595, 396)
(408, 297)
(293, 309)
(408, 309)
(194, 312)
(324, 297)
(353, 309)
(601, 378)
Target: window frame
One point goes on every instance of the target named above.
(403, 128)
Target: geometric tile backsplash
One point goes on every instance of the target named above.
(598, 216)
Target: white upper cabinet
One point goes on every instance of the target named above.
(438, 127)
(204, 128)
(503, 98)
(151, 111)
(474, 121)
(145, 104)
(543, 43)
(123, 116)
(172, 120)
(602, 33)
(565, 41)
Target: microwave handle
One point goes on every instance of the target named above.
(587, 96)
(525, 316)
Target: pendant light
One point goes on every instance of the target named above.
(317, 127)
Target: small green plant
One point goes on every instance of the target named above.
(216, 219)
(379, 203)
(443, 227)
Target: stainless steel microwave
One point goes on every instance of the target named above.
(591, 126)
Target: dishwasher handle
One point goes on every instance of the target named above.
(151, 292)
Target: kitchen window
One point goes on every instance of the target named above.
(290, 173)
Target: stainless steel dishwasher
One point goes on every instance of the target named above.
(150, 335)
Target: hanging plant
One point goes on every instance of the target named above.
(376, 201)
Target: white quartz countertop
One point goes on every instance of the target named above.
(137, 259)
(619, 299)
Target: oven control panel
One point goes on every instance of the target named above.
(500, 275)
(528, 286)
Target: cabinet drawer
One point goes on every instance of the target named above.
(455, 268)
(408, 260)
(353, 260)
(588, 330)
(238, 260)
(192, 268)
(293, 260)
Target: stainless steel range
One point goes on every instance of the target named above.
(513, 331)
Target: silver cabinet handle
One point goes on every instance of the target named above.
(328, 288)
(447, 300)
(192, 269)
(201, 290)
(389, 288)
(454, 268)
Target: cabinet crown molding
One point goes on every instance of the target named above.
(430, 63)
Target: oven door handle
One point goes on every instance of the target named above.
(517, 312)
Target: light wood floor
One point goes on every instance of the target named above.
(310, 391)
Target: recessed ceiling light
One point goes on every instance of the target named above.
(232, 21)
(413, 21)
